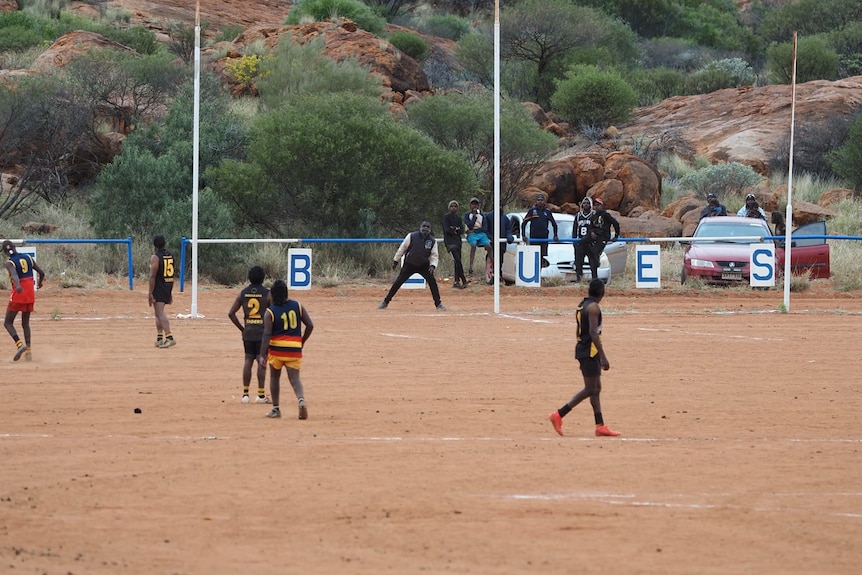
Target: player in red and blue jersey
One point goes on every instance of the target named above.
(21, 267)
(281, 346)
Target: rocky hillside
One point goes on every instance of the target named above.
(747, 125)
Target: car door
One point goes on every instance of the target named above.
(809, 255)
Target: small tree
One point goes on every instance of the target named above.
(592, 96)
(846, 161)
(43, 126)
(815, 60)
(720, 179)
(464, 123)
(301, 69)
(320, 10)
(339, 164)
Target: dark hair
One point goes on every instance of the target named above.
(256, 275)
(159, 241)
(278, 291)
(597, 288)
(8, 247)
(777, 218)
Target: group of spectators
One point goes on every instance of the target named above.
(479, 228)
(594, 228)
(751, 209)
(419, 249)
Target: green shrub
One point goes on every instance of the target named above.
(410, 44)
(721, 179)
(676, 54)
(228, 33)
(655, 84)
(846, 161)
(447, 26)
(15, 38)
(140, 39)
(320, 10)
(808, 17)
(593, 96)
(296, 70)
(475, 52)
(815, 60)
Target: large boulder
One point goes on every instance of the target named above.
(806, 212)
(68, 47)
(623, 181)
(9, 5)
(650, 224)
(748, 124)
(830, 197)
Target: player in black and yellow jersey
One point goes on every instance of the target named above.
(162, 272)
(591, 355)
(254, 300)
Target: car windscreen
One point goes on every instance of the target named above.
(722, 229)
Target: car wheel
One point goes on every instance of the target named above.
(682, 276)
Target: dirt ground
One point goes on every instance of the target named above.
(427, 448)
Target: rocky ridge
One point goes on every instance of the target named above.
(746, 125)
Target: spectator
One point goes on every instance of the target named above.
(538, 217)
(779, 223)
(713, 207)
(584, 231)
(506, 233)
(474, 222)
(602, 226)
(453, 228)
(751, 209)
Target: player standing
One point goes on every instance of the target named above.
(254, 301)
(283, 340)
(161, 284)
(23, 298)
(591, 355)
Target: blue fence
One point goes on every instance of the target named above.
(187, 241)
(127, 241)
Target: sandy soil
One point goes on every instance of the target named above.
(427, 448)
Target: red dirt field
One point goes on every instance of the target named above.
(427, 448)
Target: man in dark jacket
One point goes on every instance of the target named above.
(453, 228)
(506, 233)
(420, 257)
(601, 231)
(713, 207)
(537, 220)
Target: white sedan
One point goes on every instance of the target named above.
(559, 262)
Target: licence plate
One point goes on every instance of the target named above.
(731, 276)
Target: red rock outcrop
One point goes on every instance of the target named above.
(748, 124)
(70, 46)
(623, 181)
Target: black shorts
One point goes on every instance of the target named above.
(590, 366)
(162, 293)
(252, 348)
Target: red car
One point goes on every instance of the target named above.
(724, 257)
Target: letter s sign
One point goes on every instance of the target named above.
(762, 260)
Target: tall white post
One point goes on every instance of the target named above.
(497, 207)
(789, 214)
(195, 157)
